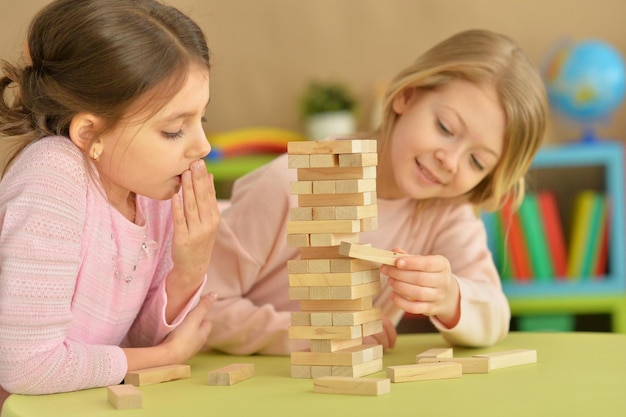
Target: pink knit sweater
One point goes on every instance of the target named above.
(65, 257)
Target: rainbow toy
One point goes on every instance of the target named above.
(252, 140)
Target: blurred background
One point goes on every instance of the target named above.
(265, 52)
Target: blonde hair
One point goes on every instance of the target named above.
(486, 58)
(96, 56)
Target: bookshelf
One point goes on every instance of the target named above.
(567, 169)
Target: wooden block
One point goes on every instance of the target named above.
(301, 371)
(300, 187)
(331, 239)
(324, 187)
(470, 365)
(298, 241)
(357, 160)
(351, 385)
(356, 212)
(298, 266)
(319, 266)
(314, 174)
(359, 370)
(301, 213)
(157, 374)
(321, 318)
(351, 356)
(327, 200)
(435, 353)
(331, 146)
(331, 279)
(372, 327)
(300, 318)
(358, 304)
(326, 252)
(124, 397)
(333, 345)
(319, 293)
(299, 293)
(370, 269)
(369, 254)
(318, 371)
(323, 161)
(324, 332)
(424, 371)
(298, 161)
(231, 374)
(369, 223)
(508, 358)
(355, 186)
(325, 213)
(355, 291)
(351, 318)
(323, 226)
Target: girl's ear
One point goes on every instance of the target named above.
(84, 134)
(403, 99)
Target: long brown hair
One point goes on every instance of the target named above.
(97, 56)
(486, 58)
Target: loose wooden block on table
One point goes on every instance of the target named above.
(369, 253)
(351, 385)
(508, 358)
(124, 397)
(157, 374)
(471, 365)
(435, 353)
(231, 374)
(424, 371)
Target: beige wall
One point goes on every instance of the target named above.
(264, 51)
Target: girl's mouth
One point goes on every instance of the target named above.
(427, 174)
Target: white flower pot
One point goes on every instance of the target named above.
(323, 125)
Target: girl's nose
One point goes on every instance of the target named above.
(448, 159)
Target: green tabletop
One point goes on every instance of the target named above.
(577, 374)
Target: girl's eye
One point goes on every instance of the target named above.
(443, 128)
(173, 135)
(477, 163)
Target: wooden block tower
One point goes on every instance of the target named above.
(336, 190)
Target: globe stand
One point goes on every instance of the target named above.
(589, 136)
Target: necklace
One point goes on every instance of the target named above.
(122, 257)
(146, 248)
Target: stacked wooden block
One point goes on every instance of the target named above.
(336, 191)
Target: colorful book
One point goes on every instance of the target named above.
(580, 232)
(535, 238)
(601, 245)
(596, 225)
(553, 226)
(514, 237)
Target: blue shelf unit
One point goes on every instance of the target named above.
(606, 156)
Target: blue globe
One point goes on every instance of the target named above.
(585, 80)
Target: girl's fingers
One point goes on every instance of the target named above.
(204, 191)
(189, 198)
